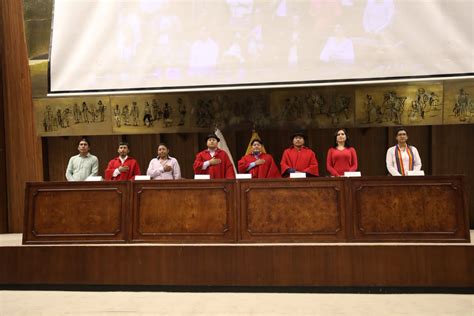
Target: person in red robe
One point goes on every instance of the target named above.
(258, 164)
(299, 158)
(122, 167)
(214, 161)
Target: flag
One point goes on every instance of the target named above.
(223, 146)
(254, 137)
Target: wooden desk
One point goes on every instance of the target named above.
(366, 209)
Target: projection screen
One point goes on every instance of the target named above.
(167, 45)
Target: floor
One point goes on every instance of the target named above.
(252, 304)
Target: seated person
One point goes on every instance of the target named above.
(402, 157)
(163, 166)
(342, 156)
(214, 161)
(299, 158)
(83, 165)
(258, 164)
(122, 167)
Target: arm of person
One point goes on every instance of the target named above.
(176, 170)
(273, 171)
(285, 164)
(155, 169)
(243, 166)
(95, 167)
(69, 171)
(416, 159)
(110, 171)
(355, 163)
(198, 166)
(391, 165)
(313, 168)
(329, 166)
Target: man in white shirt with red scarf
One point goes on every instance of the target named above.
(402, 157)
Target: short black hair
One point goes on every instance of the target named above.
(163, 144)
(84, 139)
(399, 129)
(124, 144)
(256, 140)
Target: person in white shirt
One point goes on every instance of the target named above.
(163, 166)
(83, 165)
(402, 157)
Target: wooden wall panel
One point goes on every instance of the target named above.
(184, 211)
(371, 147)
(3, 171)
(292, 210)
(414, 208)
(452, 153)
(77, 212)
(243, 265)
(22, 147)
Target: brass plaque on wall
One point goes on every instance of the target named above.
(73, 116)
(322, 107)
(404, 104)
(458, 102)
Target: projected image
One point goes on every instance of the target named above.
(127, 44)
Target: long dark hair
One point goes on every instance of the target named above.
(347, 143)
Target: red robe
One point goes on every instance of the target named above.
(224, 170)
(268, 170)
(302, 161)
(133, 169)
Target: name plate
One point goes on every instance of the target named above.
(415, 173)
(202, 177)
(243, 176)
(93, 178)
(352, 174)
(142, 178)
(298, 175)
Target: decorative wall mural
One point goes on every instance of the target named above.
(459, 102)
(414, 104)
(313, 107)
(72, 116)
(145, 114)
(324, 107)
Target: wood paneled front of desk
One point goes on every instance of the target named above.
(364, 209)
(76, 212)
(184, 211)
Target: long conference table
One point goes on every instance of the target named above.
(312, 210)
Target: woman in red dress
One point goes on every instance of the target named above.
(342, 156)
